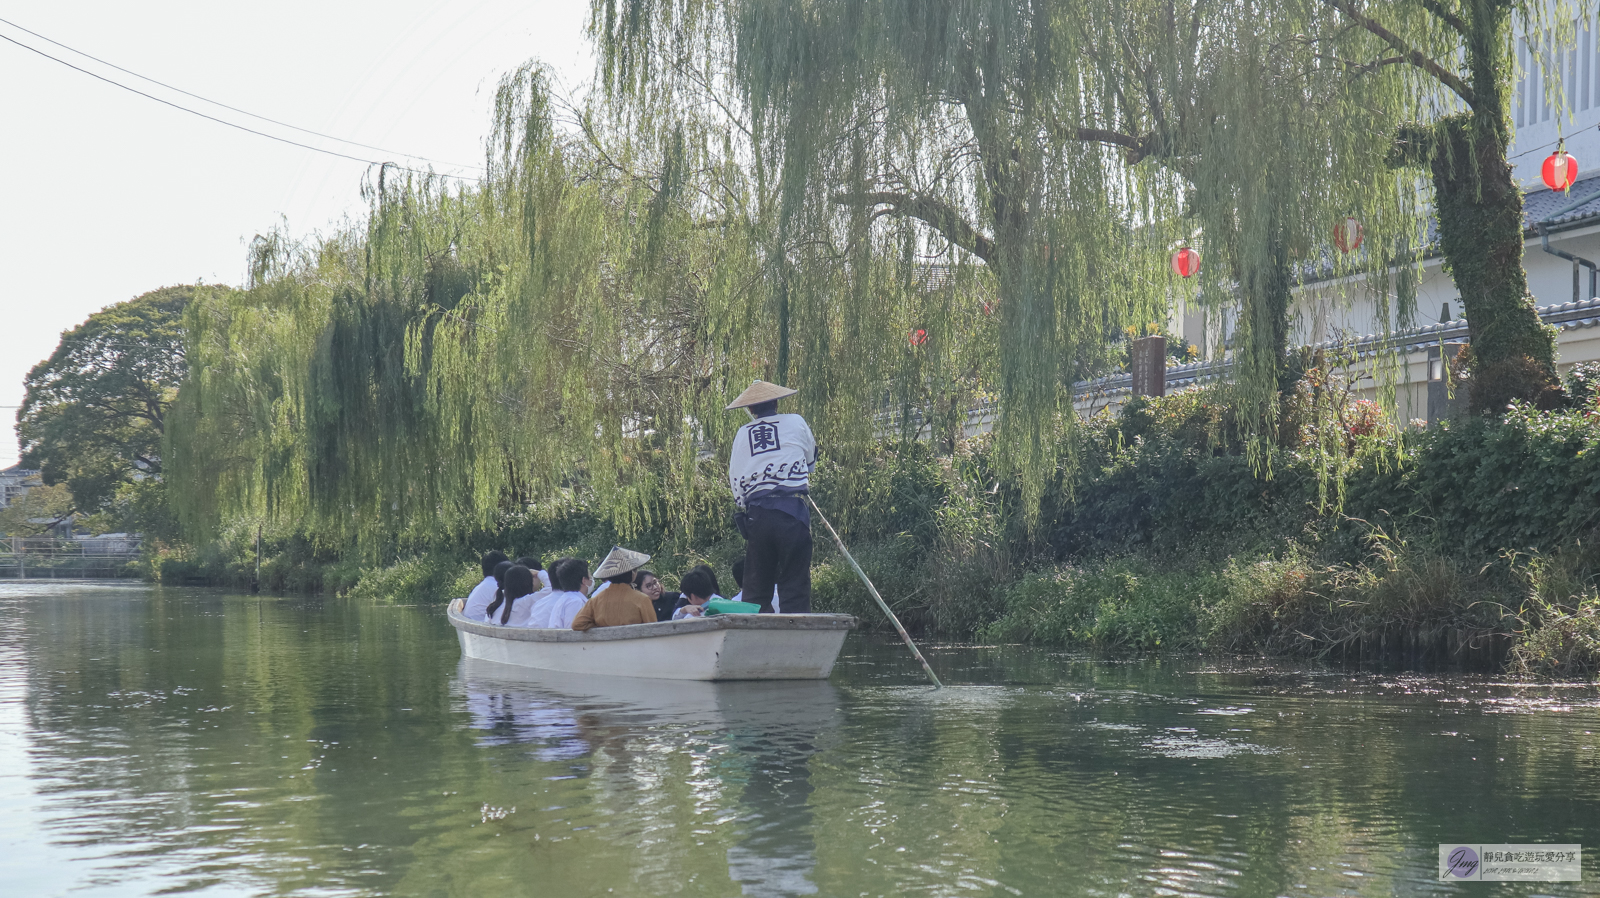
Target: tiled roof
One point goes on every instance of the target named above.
(1561, 208)
(1557, 209)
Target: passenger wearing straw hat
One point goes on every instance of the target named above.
(620, 604)
(770, 473)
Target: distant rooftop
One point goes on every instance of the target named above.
(1563, 209)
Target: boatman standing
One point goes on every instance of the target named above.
(770, 471)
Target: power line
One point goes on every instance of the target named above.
(365, 146)
(295, 143)
(1547, 143)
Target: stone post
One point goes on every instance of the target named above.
(1147, 362)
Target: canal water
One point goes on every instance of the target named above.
(162, 741)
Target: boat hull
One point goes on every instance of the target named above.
(724, 647)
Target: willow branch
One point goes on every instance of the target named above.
(1356, 70)
(1138, 147)
(936, 214)
(1446, 16)
(1410, 54)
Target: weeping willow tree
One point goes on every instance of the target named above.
(931, 132)
(1270, 138)
(462, 353)
(1063, 148)
(899, 209)
(1465, 49)
(566, 331)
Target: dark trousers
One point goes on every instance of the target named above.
(777, 552)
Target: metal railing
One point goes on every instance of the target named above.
(55, 558)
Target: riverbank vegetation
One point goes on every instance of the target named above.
(1476, 542)
(906, 211)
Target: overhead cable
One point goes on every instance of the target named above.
(354, 143)
(220, 121)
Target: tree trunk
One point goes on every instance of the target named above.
(1480, 231)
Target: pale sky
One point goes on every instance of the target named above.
(111, 194)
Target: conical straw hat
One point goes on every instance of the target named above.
(758, 392)
(620, 561)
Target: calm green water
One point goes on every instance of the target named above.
(186, 741)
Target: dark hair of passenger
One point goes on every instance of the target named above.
(518, 582)
(490, 560)
(530, 562)
(738, 573)
(763, 409)
(710, 575)
(500, 583)
(622, 579)
(697, 583)
(568, 574)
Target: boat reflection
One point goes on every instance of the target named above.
(758, 739)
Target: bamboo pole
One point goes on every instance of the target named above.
(874, 590)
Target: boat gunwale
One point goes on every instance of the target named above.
(782, 622)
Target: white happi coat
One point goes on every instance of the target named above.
(777, 451)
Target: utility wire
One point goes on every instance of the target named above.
(295, 143)
(365, 146)
(231, 108)
(1547, 143)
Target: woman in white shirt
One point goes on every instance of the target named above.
(506, 610)
(483, 593)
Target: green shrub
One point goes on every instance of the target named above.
(424, 578)
(1120, 603)
(1560, 640)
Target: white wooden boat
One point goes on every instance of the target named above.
(724, 647)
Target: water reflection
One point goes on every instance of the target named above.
(186, 741)
(751, 745)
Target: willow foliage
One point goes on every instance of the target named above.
(1061, 147)
(902, 209)
(567, 330)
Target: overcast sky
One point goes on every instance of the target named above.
(110, 194)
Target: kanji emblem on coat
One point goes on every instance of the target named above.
(763, 438)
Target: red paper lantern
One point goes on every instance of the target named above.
(1560, 169)
(1185, 262)
(1347, 235)
(919, 337)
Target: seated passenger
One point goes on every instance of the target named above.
(711, 575)
(570, 592)
(499, 582)
(698, 588)
(648, 583)
(619, 604)
(517, 583)
(483, 593)
(532, 563)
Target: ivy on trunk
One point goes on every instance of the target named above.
(1478, 204)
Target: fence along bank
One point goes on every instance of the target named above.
(77, 558)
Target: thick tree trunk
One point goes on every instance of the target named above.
(1480, 231)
